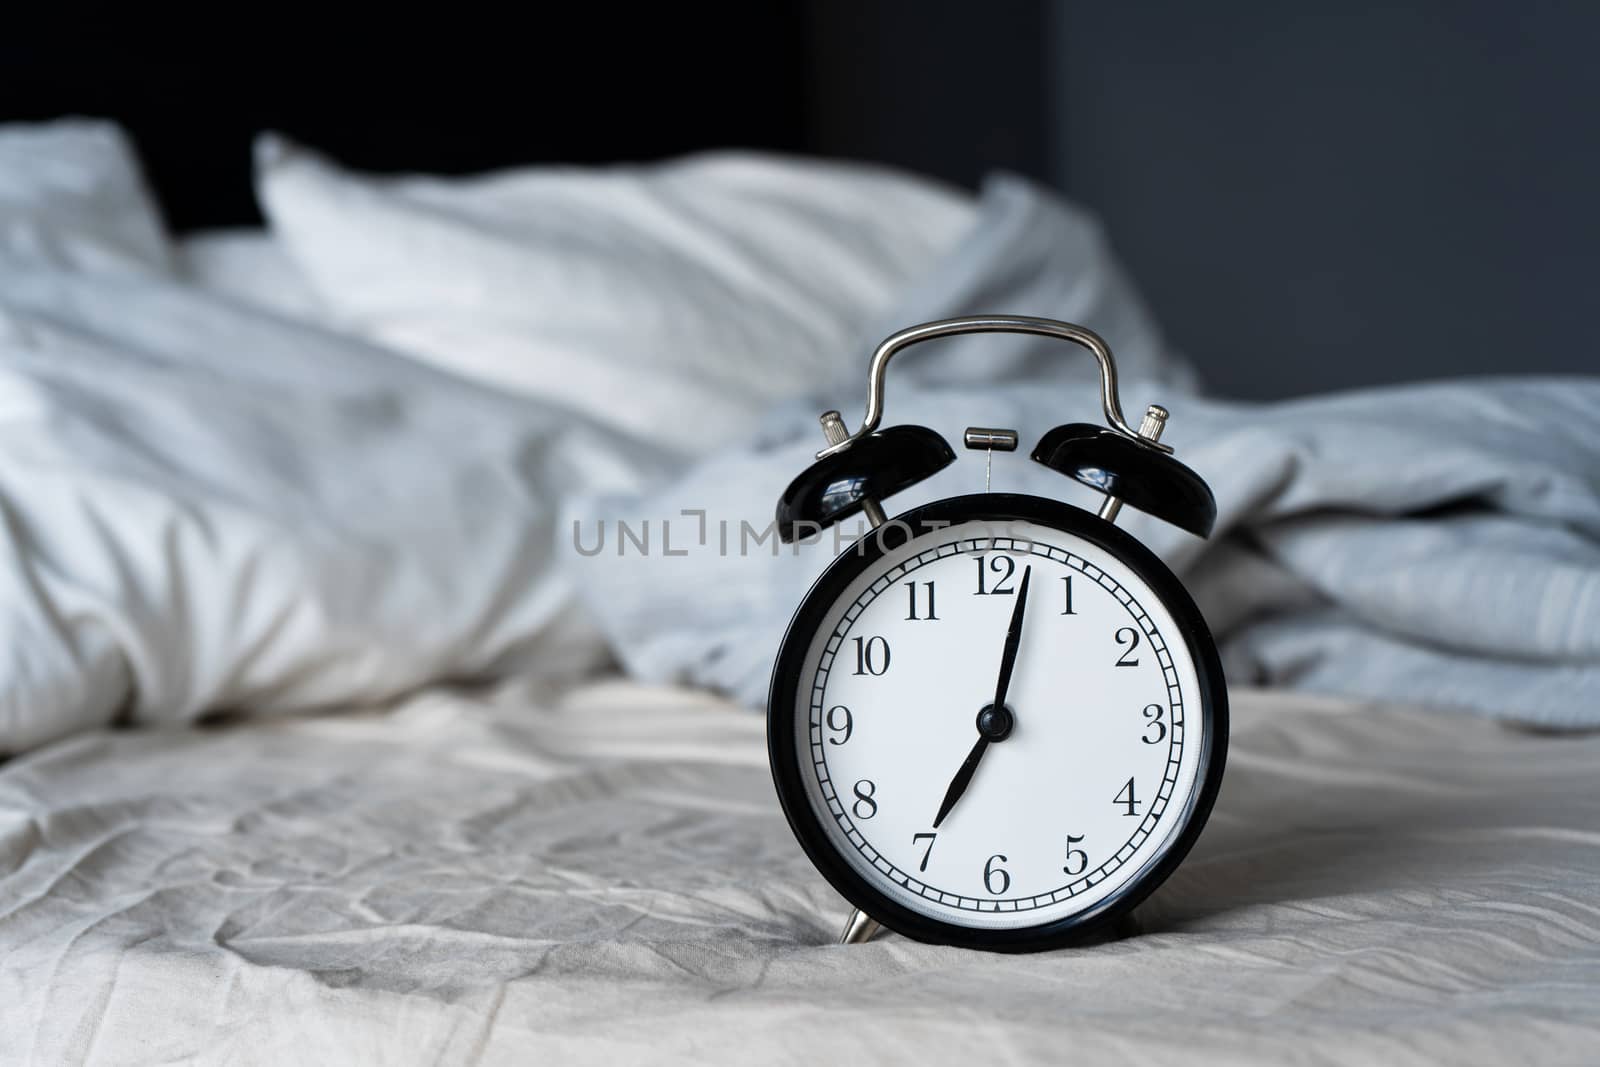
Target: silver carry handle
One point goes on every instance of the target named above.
(833, 426)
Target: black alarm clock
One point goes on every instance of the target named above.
(997, 720)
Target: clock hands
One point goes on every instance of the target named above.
(994, 721)
(1008, 656)
(958, 784)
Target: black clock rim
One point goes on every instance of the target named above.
(783, 757)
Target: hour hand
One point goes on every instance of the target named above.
(963, 778)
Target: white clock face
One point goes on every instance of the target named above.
(1051, 805)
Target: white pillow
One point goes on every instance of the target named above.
(250, 266)
(674, 301)
(71, 196)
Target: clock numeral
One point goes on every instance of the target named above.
(846, 727)
(1127, 799)
(872, 655)
(997, 564)
(1153, 712)
(1132, 641)
(927, 851)
(1066, 580)
(991, 873)
(911, 607)
(1077, 858)
(865, 806)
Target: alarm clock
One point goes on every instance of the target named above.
(996, 720)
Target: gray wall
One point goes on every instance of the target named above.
(1316, 201)
(1310, 199)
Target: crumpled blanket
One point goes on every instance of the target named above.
(1434, 543)
(350, 469)
(322, 465)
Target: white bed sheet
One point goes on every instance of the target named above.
(510, 877)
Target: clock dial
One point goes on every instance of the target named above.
(996, 724)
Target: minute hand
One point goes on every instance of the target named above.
(1008, 656)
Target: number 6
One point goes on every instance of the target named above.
(990, 872)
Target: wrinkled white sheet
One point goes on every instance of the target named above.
(499, 878)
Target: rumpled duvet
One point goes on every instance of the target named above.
(1436, 543)
(374, 449)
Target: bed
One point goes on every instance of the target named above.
(325, 739)
(499, 876)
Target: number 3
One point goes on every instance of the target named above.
(1153, 712)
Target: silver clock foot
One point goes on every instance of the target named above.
(858, 928)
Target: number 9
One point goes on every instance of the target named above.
(847, 728)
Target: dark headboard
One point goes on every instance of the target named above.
(582, 84)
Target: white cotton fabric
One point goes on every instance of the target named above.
(341, 460)
(675, 301)
(71, 196)
(249, 266)
(207, 508)
(331, 467)
(502, 879)
(222, 488)
(1435, 543)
